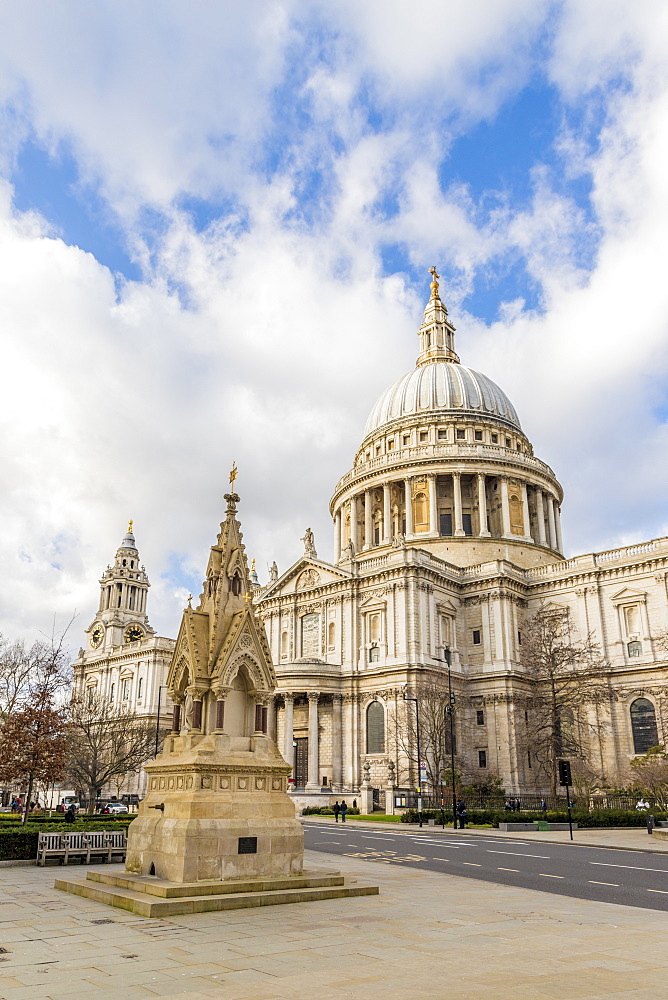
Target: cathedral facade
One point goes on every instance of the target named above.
(447, 534)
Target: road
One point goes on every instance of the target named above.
(630, 878)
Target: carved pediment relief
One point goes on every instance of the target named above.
(308, 579)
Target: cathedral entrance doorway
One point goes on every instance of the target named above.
(301, 761)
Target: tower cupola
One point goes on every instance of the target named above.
(437, 334)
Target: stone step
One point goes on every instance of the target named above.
(145, 906)
(172, 890)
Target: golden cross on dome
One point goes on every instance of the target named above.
(434, 281)
(130, 523)
(252, 565)
(233, 474)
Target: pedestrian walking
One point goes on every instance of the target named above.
(337, 810)
(543, 805)
(461, 814)
(343, 809)
(71, 813)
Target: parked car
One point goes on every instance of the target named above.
(115, 808)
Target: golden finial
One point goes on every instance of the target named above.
(233, 474)
(252, 565)
(434, 282)
(248, 598)
(130, 523)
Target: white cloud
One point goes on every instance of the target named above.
(133, 403)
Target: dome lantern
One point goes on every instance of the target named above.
(437, 334)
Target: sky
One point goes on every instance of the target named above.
(216, 224)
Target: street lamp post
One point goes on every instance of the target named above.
(419, 755)
(450, 713)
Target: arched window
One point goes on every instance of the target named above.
(375, 728)
(643, 725)
(374, 626)
(235, 585)
(331, 635)
(284, 645)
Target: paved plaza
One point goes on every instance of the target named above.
(426, 935)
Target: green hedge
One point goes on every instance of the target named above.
(58, 817)
(327, 811)
(584, 818)
(20, 843)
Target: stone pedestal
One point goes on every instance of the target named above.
(216, 808)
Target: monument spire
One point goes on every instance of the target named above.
(437, 334)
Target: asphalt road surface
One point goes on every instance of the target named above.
(631, 878)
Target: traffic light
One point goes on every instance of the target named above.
(565, 772)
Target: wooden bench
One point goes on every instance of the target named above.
(81, 846)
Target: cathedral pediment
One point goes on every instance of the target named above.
(306, 574)
(628, 596)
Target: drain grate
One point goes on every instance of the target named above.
(103, 921)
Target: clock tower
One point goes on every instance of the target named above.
(125, 663)
(121, 616)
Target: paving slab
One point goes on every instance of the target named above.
(424, 931)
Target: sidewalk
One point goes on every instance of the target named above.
(633, 839)
(426, 936)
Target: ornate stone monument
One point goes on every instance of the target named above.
(216, 805)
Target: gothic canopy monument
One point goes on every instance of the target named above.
(216, 805)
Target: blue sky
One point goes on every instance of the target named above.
(215, 229)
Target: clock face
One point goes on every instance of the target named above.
(133, 633)
(97, 635)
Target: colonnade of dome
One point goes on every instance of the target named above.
(445, 462)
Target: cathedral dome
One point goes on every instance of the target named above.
(442, 387)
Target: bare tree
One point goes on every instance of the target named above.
(32, 673)
(106, 744)
(649, 775)
(433, 700)
(565, 678)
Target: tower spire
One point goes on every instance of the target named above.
(437, 334)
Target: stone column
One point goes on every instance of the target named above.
(387, 513)
(353, 523)
(482, 507)
(540, 517)
(313, 783)
(505, 509)
(197, 714)
(368, 520)
(433, 506)
(557, 524)
(457, 494)
(220, 715)
(552, 531)
(258, 718)
(337, 711)
(176, 718)
(525, 511)
(288, 729)
(271, 719)
(408, 492)
(337, 535)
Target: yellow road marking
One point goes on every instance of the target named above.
(664, 892)
(594, 882)
(507, 869)
(550, 876)
(471, 864)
